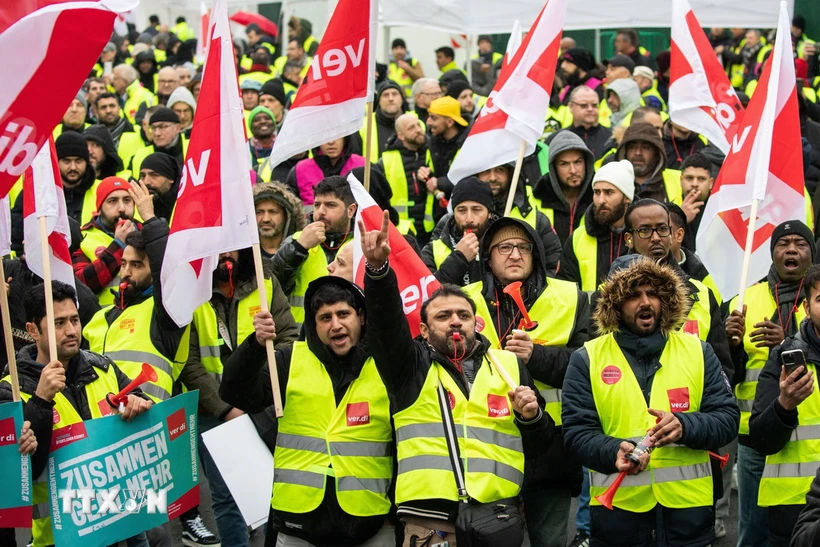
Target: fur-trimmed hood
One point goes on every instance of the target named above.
(671, 289)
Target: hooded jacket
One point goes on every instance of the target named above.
(678, 149)
(455, 269)
(84, 368)
(246, 385)
(404, 364)
(548, 364)
(714, 425)
(113, 164)
(654, 187)
(611, 245)
(549, 193)
(147, 78)
(292, 205)
(385, 127)
(630, 95)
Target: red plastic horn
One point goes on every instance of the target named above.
(514, 291)
(148, 374)
(722, 459)
(606, 498)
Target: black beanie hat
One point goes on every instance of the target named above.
(791, 227)
(276, 89)
(162, 164)
(454, 89)
(472, 189)
(164, 114)
(71, 144)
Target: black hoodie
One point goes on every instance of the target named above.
(112, 165)
(678, 149)
(146, 78)
(654, 187)
(246, 385)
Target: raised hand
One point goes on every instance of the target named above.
(312, 235)
(376, 243)
(142, 199)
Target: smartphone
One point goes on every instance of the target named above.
(793, 359)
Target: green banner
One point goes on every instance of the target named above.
(15, 494)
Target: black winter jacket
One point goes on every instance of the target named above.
(807, 530)
(595, 138)
(455, 269)
(291, 255)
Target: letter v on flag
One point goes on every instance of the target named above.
(765, 163)
(331, 102)
(701, 98)
(43, 197)
(416, 283)
(214, 211)
(517, 106)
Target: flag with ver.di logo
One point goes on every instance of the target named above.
(110, 479)
(15, 495)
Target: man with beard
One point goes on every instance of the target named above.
(78, 184)
(63, 392)
(74, 117)
(263, 128)
(278, 215)
(448, 130)
(160, 173)
(599, 240)
(97, 261)
(696, 183)
(425, 91)
(498, 178)
(334, 158)
(771, 312)
(407, 164)
(103, 154)
(643, 148)
(218, 327)
(304, 256)
(449, 354)
(126, 139)
(576, 67)
(328, 382)
(390, 104)
(452, 255)
(565, 192)
(511, 253)
(165, 130)
(644, 375)
(583, 105)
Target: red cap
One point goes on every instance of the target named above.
(108, 185)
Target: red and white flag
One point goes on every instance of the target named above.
(416, 283)
(701, 98)
(765, 162)
(331, 102)
(48, 47)
(214, 211)
(204, 25)
(43, 197)
(517, 106)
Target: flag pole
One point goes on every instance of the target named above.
(747, 256)
(10, 356)
(368, 137)
(45, 248)
(516, 175)
(263, 303)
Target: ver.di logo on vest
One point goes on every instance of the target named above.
(498, 406)
(678, 399)
(358, 413)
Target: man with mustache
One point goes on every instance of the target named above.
(449, 367)
(63, 392)
(643, 148)
(644, 375)
(97, 261)
(161, 173)
(305, 255)
(278, 215)
(599, 240)
(166, 138)
(771, 312)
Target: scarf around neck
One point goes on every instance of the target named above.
(787, 297)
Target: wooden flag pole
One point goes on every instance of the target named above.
(263, 303)
(747, 258)
(44, 247)
(516, 175)
(10, 356)
(368, 137)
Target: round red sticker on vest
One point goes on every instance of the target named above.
(611, 374)
(55, 416)
(452, 399)
(479, 324)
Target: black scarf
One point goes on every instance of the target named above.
(117, 130)
(787, 296)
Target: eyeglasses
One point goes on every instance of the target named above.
(646, 233)
(507, 248)
(585, 105)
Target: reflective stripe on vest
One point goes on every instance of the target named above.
(95, 241)
(788, 474)
(554, 311)
(396, 177)
(586, 252)
(127, 341)
(66, 415)
(489, 440)
(759, 304)
(677, 477)
(351, 441)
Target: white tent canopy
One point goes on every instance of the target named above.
(498, 16)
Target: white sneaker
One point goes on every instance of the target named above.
(720, 529)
